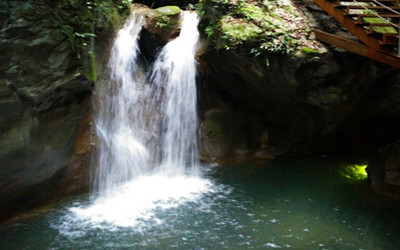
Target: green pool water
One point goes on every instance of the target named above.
(299, 204)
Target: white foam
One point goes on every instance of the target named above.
(136, 201)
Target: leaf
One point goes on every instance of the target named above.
(85, 34)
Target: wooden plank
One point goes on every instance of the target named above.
(367, 1)
(393, 16)
(388, 3)
(358, 48)
(390, 38)
(358, 7)
(375, 24)
(341, 42)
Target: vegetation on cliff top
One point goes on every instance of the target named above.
(49, 46)
(81, 20)
(257, 26)
(76, 21)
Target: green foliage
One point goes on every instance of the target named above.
(236, 31)
(63, 23)
(163, 21)
(251, 25)
(209, 31)
(191, 6)
(80, 21)
(251, 12)
(211, 12)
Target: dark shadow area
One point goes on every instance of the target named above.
(160, 3)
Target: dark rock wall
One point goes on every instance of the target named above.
(384, 169)
(290, 111)
(44, 94)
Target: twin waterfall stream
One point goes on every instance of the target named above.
(147, 123)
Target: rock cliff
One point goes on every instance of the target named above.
(46, 78)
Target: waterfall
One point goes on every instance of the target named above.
(147, 123)
(139, 119)
(120, 123)
(173, 76)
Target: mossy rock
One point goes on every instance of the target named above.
(238, 30)
(164, 21)
(168, 10)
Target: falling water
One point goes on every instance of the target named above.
(174, 81)
(120, 126)
(147, 125)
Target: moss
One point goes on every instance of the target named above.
(380, 29)
(237, 31)
(252, 12)
(168, 10)
(308, 50)
(92, 75)
(252, 25)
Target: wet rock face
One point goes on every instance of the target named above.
(263, 106)
(332, 103)
(43, 97)
(384, 169)
(231, 133)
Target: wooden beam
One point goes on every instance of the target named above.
(381, 1)
(358, 48)
(359, 7)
